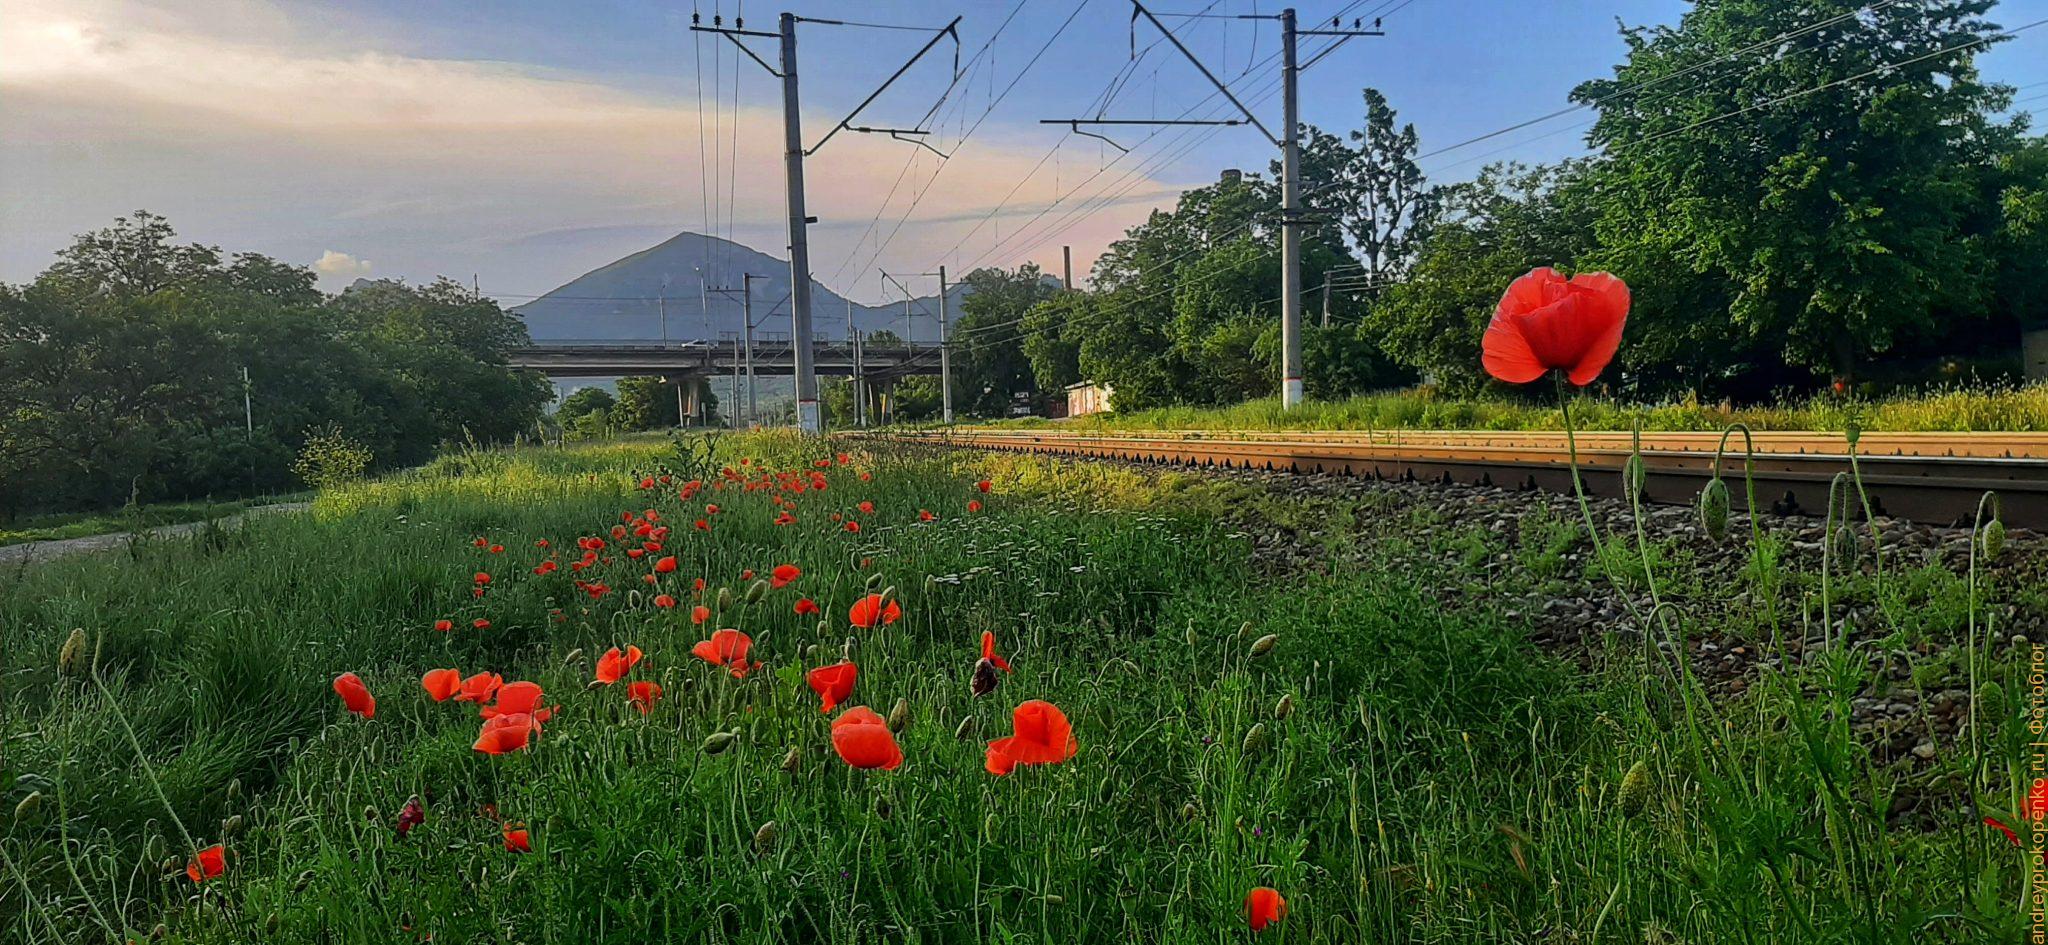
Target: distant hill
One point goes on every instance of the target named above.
(624, 300)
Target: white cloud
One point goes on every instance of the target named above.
(341, 265)
(249, 135)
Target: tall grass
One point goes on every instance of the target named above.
(2002, 409)
(1401, 770)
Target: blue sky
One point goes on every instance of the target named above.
(523, 142)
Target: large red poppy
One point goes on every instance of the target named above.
(863, 740)
(727, 648)
(833, 683)
(1040, 734)
(644, 694)
(1546, 322)
(506, 733)
(783, 574)
(479, 688)
(614, 665)
(1263, 907)
(442, 684)
(870, 610)
(355, 696)
(518, 698)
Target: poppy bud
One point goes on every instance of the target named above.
(965, 730)
(234, 789)
(1052, 900)
(1994, 539)
(1635, 788)
(988, 824)
(1264, 645)
(1244, 629)
(1255, 740)
(718, 742)
(764, 837)
(724, 598)
(984, 680)
(1633, 475)
(789, 761)
(304, 880)
(159, 932)
(1191, 635)
(71, 657)
(270, 923)
(595, 684)
(1285, 707)
(883, 808)
(1845, 545)
(1714, 508)
(231, 826)
(573, 656)
(27, 807)
(1190, 811)
(756, 591)
(900, 715)
(370, 814)
(874, 581)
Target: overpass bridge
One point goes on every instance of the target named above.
(773, 356)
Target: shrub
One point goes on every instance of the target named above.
(331, 458)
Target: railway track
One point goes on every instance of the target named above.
(1935, 478)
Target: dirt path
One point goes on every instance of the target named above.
(59, 547)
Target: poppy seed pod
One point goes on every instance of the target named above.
(719, 742)
(1714, 508)
(1635, 788)
(899, 717)
(71, 656)
(1255, 740)
(1264, 645)
(1994, 539)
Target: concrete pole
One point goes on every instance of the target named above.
(807, 418)
(945, 354)
(747, 318)
(1290, 224)
(1067, 254)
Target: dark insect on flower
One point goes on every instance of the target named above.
(985, 678)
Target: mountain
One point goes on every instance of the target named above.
(626, 300)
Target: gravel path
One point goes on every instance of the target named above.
(59, 547)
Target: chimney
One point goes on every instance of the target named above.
(1232, 175)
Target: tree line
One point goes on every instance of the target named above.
(1800, 196)
(136, 369)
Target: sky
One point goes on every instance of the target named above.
(521, 143)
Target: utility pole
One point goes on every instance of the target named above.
(248, 406)
(807, 418)
(1326, 300)
(860, 407)
(747, 319)
(1067, 276)
(945, 355)
(1289, 143)
(661, 300)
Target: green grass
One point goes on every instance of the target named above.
(58, 526)
(1954, 410)
(1401, 770)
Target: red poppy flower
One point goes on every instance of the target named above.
(984, 485)
(518, 698)
(479, 688)
(806, 607)
(355, 695)
(1547, 323)
(697, 585)
(207, 863)
(988, 651)
(480, 623)
(700, 613)
(866, 611)
(543, 543)
(1263, 907)
(442, 684)
(619, 532)
(1040, 735)
(666, 565)
(614, 665)
(973, 505)
(925, 515)
(444, 625)
(482, 578)
(497, 549)
(647, 483)
(411, 815)
(2035, 806)
(833, 683)
(516, 840)
(506, 733)
(863, 740)
(643, 694)
(728, 648)
(853, 527)
(866, 508)
(746, 574)
(664, 600)
(2002, 828)
(635, 552)
(702, 525)
(783, 574)
(481, 541)
(785, 519)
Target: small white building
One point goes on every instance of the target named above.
(1088, 397)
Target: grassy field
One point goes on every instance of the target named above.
(1950, 410)
(58, 526)
(1397, 769)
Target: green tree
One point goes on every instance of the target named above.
(990, 365)
(584, 400)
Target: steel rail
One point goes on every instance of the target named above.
(1935, 478)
